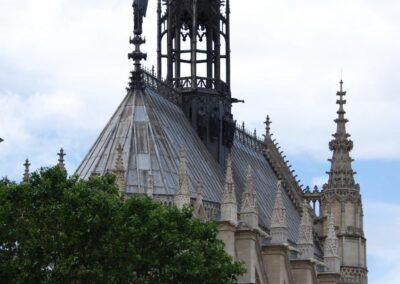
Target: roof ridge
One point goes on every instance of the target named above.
(271, 152)
(162, 88)
(282, 169)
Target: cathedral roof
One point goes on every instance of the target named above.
(264, 182)
(151, 129)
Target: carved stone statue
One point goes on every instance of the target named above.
(140, 9)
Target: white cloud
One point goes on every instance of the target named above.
(290, 66)
(286, 61)
(382, 227)
(36, 126)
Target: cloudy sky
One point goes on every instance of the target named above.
(64, 69)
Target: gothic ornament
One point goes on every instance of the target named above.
(229, 204)
(182, 196)
(279, 229)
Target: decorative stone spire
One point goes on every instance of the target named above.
(199, 210)
(139, 12)
(341, 174)
(120, 170)
(182, 196)
(26, 171)
(248, 210)
(331, 245)
(267, 127)
(305, 243)
(61, 161)
(150, 185)
(229, 204)
(279, 229)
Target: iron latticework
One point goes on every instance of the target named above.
(194, 56)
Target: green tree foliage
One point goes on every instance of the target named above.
(56, 229)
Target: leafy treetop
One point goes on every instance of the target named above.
(59, 229)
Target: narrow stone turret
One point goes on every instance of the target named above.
(61, 161)
(248, 210)
(182, 196)
(267, 129)
(229, 203)
(341, 174)
(341, 197)
(199, 210)
(25, 178)
(279, 228)
(331, 246)
(150, 185)
(305, 243)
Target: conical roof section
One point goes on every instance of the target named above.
(151, 130)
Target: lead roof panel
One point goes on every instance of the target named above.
(151, 130)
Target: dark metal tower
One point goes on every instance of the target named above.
(194, 55)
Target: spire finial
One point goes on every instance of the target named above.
(341, 173)
(279, 229)
(150, 185)
(249, 194)
(139, 12)
(305, 243)
(183, 186)
(199, 210)
(229, 174)
(229, 204)
(248, 209)
(267, 127)
(61, 161)
(331, 246)
(26, 171)
(329, 249)
(120, 170)
(182, 196)
(341, 101)
(119, 162)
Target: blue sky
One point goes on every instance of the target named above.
(64, 69)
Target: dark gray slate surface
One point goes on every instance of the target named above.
(151, 131)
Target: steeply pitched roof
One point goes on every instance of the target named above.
(264, 181)
(151, 128)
